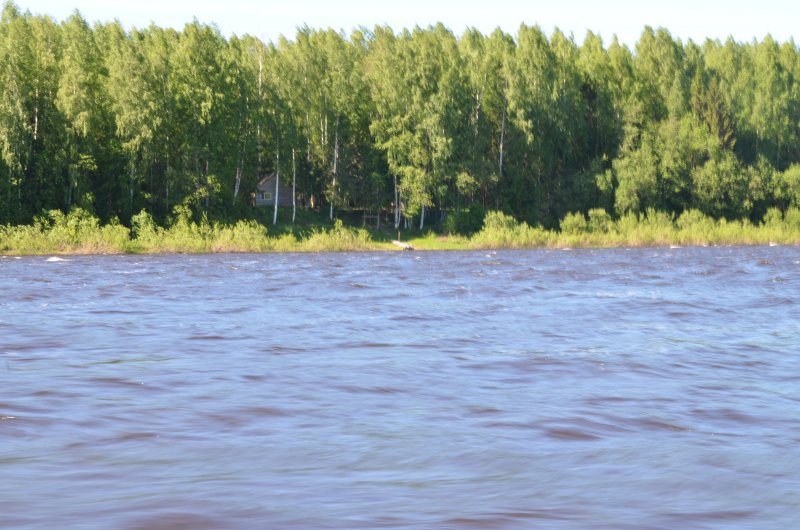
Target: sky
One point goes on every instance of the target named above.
(269, 19)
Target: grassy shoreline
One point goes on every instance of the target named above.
(80, 233)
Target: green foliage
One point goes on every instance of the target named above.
(126, 123)
(465, 221)
(338, 238)
(787, 188)
(244, 236)
(791, 218)
(574, 224)
(773, 218)
(503, 231)
(600, 222)
(721, 187)
(78, 232)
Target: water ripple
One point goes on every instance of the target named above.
(618, 389)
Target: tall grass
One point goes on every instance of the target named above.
(339, 238)
(185, 235)
(78, 232)
(653, 228)
(503, 231)
(75, 233)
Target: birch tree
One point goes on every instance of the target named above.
(82, 99)
(16, 129)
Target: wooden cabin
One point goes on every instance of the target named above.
(265, 191)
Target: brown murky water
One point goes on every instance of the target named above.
(616, 389)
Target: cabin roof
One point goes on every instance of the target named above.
(262, 182)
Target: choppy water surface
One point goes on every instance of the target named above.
(653, 388)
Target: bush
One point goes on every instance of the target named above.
(696, 228)
(498, 221)
(600, 222)
(791, 218)
(77, 232)
(574, 224)
(338, 238)
(503, 231)
(244, 236)
(773, 217)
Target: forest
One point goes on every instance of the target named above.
(117, 122)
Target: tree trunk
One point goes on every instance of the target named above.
(70, 170)
(294, 187)
(206, 184)
(502, 141)
(422, 218)
(166, 183)
(258, 127)
(130, 183)
(277, 181)
(335, 164)
(238, 182)
(396, 204)
(36, 119)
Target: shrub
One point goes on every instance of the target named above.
(338, 238)
(773, 217)
(244, 236)
(791, 218)
(574, 224)
(600, 222)
(503, 231)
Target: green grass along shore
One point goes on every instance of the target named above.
(81, 233)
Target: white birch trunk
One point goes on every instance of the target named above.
(294, 187)
(260, 99)
(335, 164)
(238, 182)
(396, 205)
(205, 184)
(166, 181)
(277, 181)
(422, 218)
(502, 141)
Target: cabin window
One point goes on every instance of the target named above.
(266, 196)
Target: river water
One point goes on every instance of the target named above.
(614, 389)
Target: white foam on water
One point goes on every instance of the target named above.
(55, 259)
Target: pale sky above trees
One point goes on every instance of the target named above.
(268, 19)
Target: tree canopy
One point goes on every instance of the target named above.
(118, 121)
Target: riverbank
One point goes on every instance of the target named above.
(80, 233)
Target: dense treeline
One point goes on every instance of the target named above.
(117, 122)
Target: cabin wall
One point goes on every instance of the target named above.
(265, 194)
